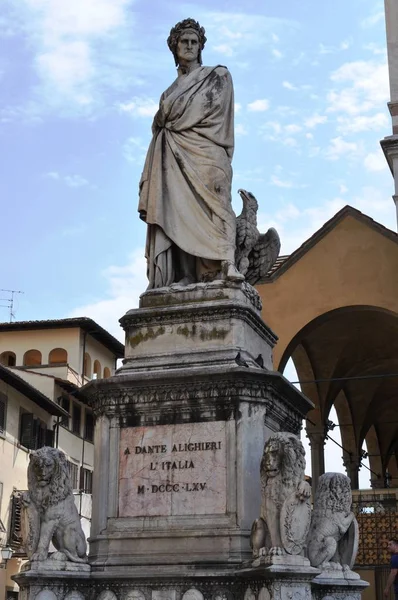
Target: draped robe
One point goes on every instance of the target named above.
(185, 188)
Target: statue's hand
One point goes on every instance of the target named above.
(303, 490)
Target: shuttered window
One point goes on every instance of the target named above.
(73, 471)
(86, 480)
(76, 418)
(89, 427)
(33, 433)
(3, 408)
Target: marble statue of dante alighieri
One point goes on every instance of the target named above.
(185, 188)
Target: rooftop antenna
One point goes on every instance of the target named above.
(10, 301)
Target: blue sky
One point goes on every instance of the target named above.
(80, 82)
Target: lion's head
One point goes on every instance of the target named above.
(333, 493)
(283, 459)
(48, 479)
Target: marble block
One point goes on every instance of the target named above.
(173, 470)
(202, 324)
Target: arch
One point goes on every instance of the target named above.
(57, 356)
(323, 318)
(348, 358)
(97, 370)
(107, 372)
(87, 365)
(8, 358)
(32, 358)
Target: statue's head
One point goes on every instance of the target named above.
(191, 30)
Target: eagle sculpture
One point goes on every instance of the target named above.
(255, 252)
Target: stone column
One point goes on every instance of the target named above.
(391, 13)
(317, 442)
(352, 465)
(390, 143)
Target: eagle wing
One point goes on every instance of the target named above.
(263, 255)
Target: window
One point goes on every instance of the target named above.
(8, 359)
(97, 370)
(89, 427)
(86, 481)
(64, 403)
(57, 356)
(32, 358)
(33, 433)
(76, 418)
(3, 408)
(87, 365)
(73, 471)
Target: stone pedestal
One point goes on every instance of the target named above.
(338, 586)
(179, 436)
(281, 578)
(181, 428)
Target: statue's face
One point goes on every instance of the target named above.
(187, 47)
(44, 468)
(272, 460)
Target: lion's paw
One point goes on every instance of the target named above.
(38, 556)
(276, 551)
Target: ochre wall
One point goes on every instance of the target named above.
(352, 265)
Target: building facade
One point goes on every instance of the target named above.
(43, 366)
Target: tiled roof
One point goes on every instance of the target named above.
(284, 262)
(12, 379)
(88, 325)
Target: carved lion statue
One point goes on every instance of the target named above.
(333, 536)
(50, 513)
(285, 508)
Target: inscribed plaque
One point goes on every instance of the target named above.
(170, 470)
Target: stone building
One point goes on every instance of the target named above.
(43, 365)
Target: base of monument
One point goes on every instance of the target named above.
(342, 588)
(264, 582)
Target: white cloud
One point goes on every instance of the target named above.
(240, 129)
(366, 87)
(315, 120)
(375, 49)
(73, 181)
(355, 124)
(224, 49)
(238, 107)
(52, 175)
(134, 150)
(339, 147)
(124, 285)
(277, 53)
(373, 19)
(258, 105)
(139, 107)
(280, 182)
(292, 128)
(375, 161)
(76, 54)
(289, 86)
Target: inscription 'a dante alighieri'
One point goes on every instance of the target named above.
(172, 470)
(187, 447)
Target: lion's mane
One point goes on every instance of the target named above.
(333, 493)
(291, 467)
(59, 486)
